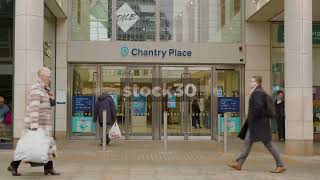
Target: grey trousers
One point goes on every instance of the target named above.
(269, 145)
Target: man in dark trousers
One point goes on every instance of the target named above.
(258, 127)
(105, 102)
(280, 115)
(195, 114)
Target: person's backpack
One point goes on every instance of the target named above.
(270, 110)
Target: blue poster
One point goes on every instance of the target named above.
(82, 117)
(233, 124)
(139, 105)
(82, 103)
(172, 104)
(220, 91)
(115, 99)
(228, 104)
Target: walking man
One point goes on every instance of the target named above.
(257, 127)
(280, 115)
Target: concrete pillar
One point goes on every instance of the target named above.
(257, 39)
(28, 54)
(298, 77)
(61, 71)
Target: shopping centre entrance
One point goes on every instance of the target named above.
(192, 97)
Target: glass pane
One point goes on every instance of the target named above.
(83, 100)
(6, 122)
(172, 104)
(228, 95)
(6, 41)
(201, 120)
(140, 102)
(316, 87)
(111, 78)
(136, 20)
(91, 20)
(200, 20)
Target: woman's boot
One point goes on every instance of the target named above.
(48, 169)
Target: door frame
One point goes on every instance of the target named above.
(129, 134)
(214, 98)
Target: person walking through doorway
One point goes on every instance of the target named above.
(257, 128)
(196, 114)
(105, 102)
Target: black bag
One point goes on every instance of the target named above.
(52, 102)
(271, 110)
(242, 134)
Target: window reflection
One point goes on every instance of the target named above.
(136, 20)
(91, 20)
(200, 21)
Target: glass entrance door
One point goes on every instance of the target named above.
(111, 79)
(140, 101)
(189, 115)
(201, 105)
(134, 112)
(228, 100)
(193, 104)
(171, 78)
(84, 91)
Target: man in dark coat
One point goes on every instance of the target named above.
(195, 114)
(280, 115)
(105, 102)
(258, 126)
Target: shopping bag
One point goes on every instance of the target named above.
(33, 146)
(115, 132)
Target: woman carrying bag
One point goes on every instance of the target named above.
(38, 113)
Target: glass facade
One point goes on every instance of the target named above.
(6, 31)
(277, 66)
(200, 20)
(91, 20)
(136, 20)
(6, 73)
(141, 115)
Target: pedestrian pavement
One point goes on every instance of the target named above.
(146, 160)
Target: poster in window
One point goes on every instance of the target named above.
(172, 104)
(115, 99)
(139, 105)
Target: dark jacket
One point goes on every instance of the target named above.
(105, 102)
(279, 109)
(259, 115)
(195, 108)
